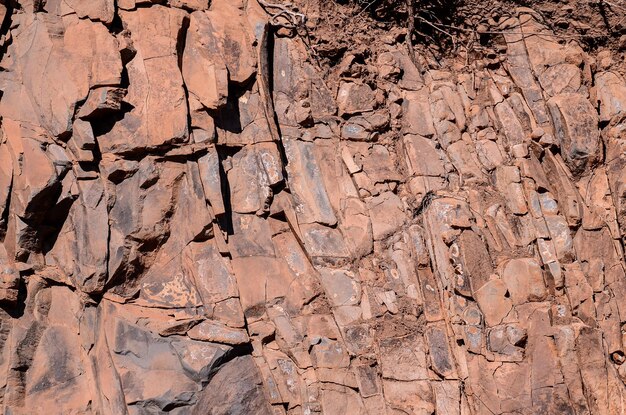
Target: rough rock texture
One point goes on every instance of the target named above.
(196, 220)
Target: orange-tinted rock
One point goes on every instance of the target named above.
(611, 95)
(524, 280)
(422, 158)
(204, 69)
(341, 287)
(493, 301)
(102, 10)
(411, 397)
(418, 117)
(57, 75)
(9, 279)
(476, 259)
(232, 39)
(81, 248)
(178, 365)
(159, 111)
(204, 211)
(357, 226)
(101, 102)
(310, 196)
(237, 389)
(387, 215)
(404, 359)
(354, 98)
(6, 179)
(575, 122)
(217, 333)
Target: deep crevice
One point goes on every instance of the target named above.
(4, 215)
(228, 117)
(270, 87)
(5, 26)
(52, 224)
(17, 310)
(236, 351)
(225, 221)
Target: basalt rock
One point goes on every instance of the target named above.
(196, 219)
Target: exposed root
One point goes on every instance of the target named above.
(283, 15)
(409, 34)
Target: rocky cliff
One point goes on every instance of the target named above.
(197, 217)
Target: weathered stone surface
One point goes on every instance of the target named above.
(411, 397)
(203, 67)
(418, 117)
(102, 10)
(237, 390)
(57, 75)
(357, 226)
(312, 204)
(403, 359)
(422, 158)
(81, 248)
(441, 359)
(575, 122)
(246, 182)
(524, 280)
(203, 211)
(465, 160)
(159, 111)
(508, 182)
(324, 244)
(161, 358)
(9, 280)
(387, 215)
(341, 287)
(230, 35)
(217, 333)
(354, 98)
(611, 95)
(506, 341)
(493, 301)
(102, 101)
(476, 259)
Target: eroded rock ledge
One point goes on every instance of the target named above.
(193, 220)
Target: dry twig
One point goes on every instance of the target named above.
(365, 8)
(437, 28)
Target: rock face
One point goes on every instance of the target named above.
(195, 220)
